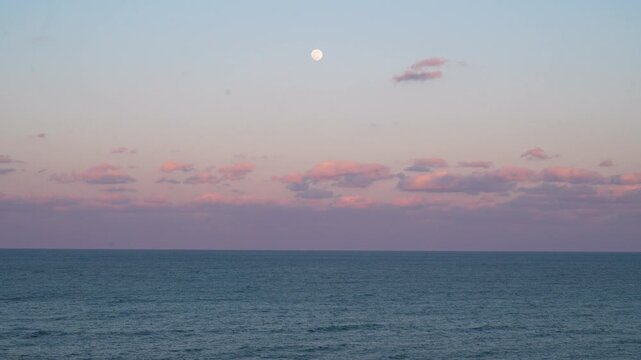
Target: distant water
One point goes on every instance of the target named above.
(67, 304)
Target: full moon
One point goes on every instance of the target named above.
(317, 55)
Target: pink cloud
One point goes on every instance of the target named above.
(6, 171)
(291, 178)
(537, 154)
(476, 164)
(410, 75)
(549, 217)
(434, 61)
(498, 181)
(416, 73)
(170, 166)
(348, 174)
(571, 175)
(438, 181)
(235, 172)
(104, 174)
(41, 135)
(627, 179)
(606, 163)
(343, 173)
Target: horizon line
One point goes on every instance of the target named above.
(334, 250)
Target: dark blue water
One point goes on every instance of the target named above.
(318, 305)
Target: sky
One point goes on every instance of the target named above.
(427, 125)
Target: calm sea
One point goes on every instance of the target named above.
(71, 304)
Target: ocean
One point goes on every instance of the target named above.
(120, 304)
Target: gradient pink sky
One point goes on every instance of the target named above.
(220, 132)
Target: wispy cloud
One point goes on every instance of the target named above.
(429, 62)
(606, 163)
(416, 71)
(6, 171)
(410, 75)
(537, 154)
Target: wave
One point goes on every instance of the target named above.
(346, 327)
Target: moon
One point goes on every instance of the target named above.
(317, 55)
